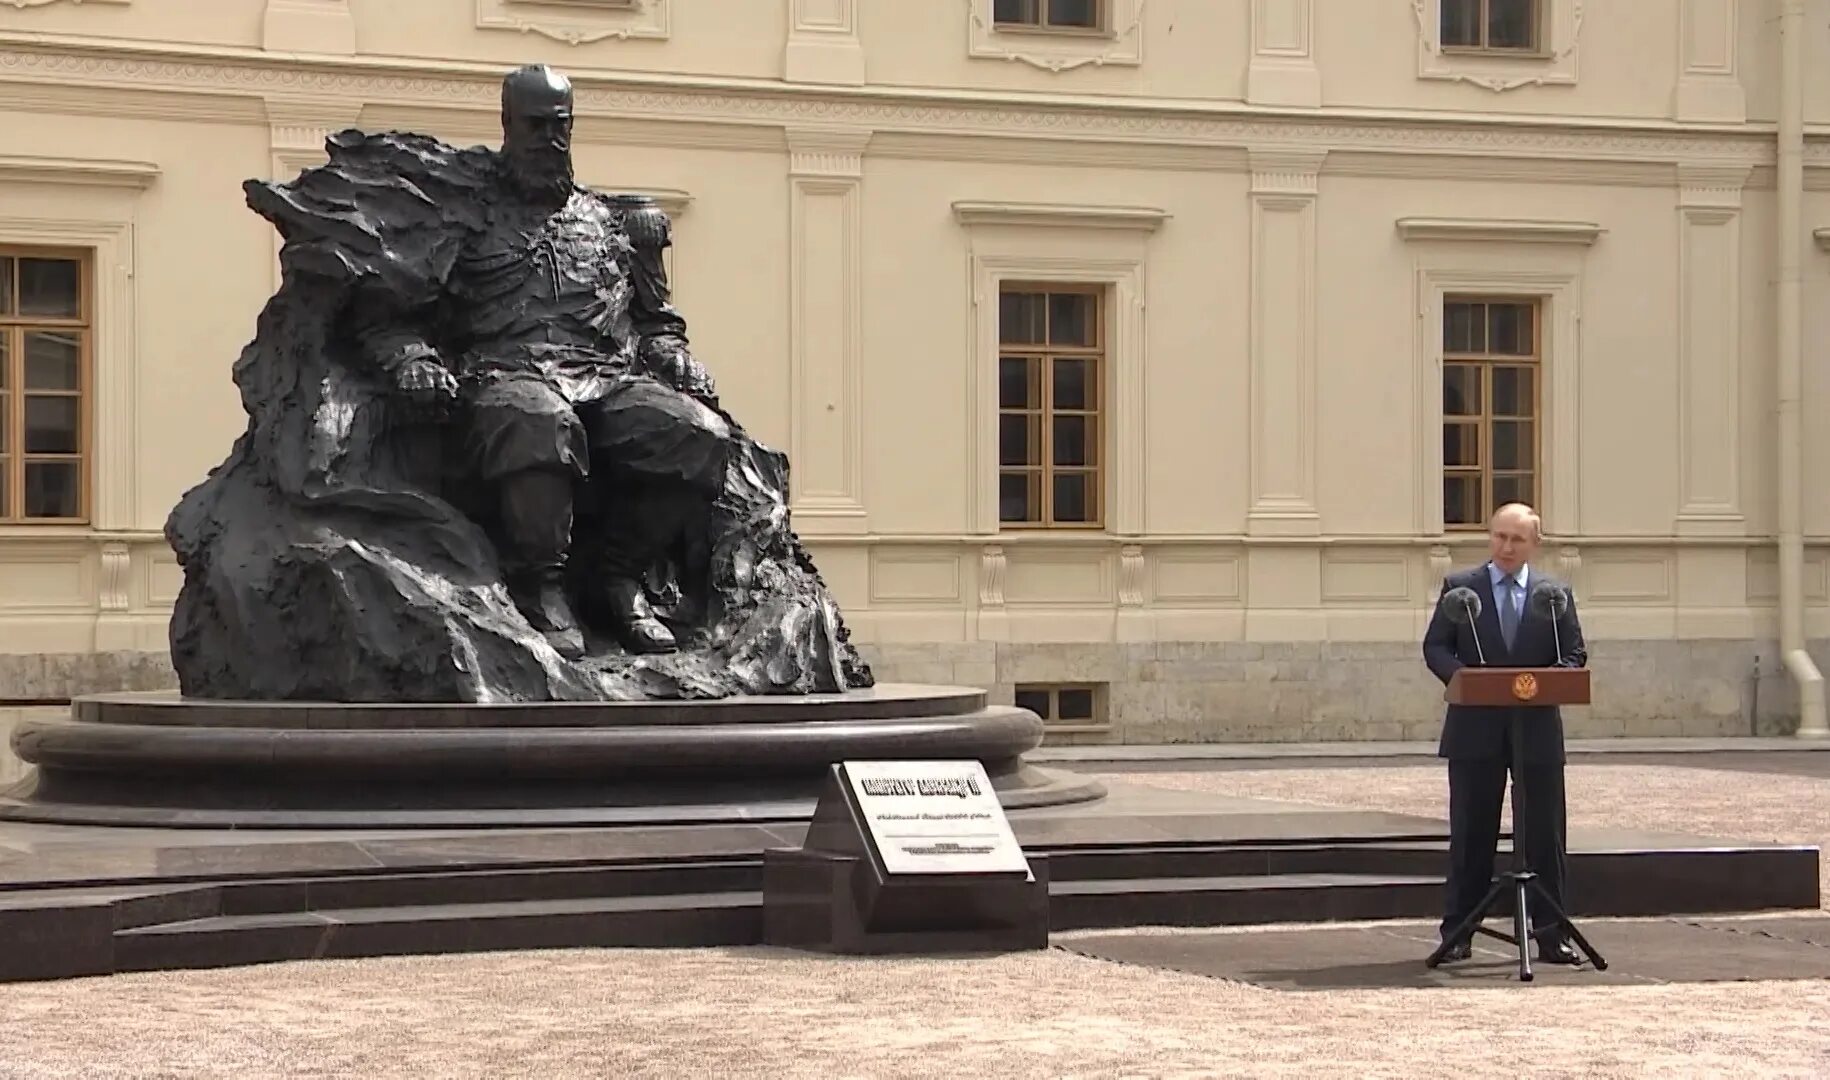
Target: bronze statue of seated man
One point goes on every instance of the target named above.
(555, 340)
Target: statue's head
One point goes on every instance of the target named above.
(537, 130)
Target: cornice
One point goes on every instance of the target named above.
(16, 168)
(1492, 230)
(1060, 215)
(1822, 236)
(111, 76)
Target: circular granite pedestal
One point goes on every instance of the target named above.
(163, 760)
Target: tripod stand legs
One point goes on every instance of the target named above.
(1522, 884)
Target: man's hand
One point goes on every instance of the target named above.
(429, 389)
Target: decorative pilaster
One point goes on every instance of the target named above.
(1284, 188)
(1709, 84)
(1283, 71)
(823, 44)
(309, 26)
(826, 170)
(1709, 350)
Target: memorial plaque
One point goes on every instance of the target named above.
(934, 817)
(906, 856)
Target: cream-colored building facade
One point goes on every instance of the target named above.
(1144, 360)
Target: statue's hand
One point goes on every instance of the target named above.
(676, 366)
(426, 385)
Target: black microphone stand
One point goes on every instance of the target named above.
(1521, 881)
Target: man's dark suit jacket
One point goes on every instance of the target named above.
(1485, 732)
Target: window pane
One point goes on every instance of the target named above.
(6, 427)
(1070, 319)
(50, 287)
(1014, 11)
(1512, 445)
(1073, 440)
(51, 489)
(1509, 332)
(6, 289)
(1020, 497)
(1461, 497)
(1020, 318)
(50, 425)
(52, 361)
(1076, 13)
(1073, 384)
(1461, 445)
(1512, 392)
(1516, 488)
(1035, 701)
(1511, 24)
(1464, 327)
(1019, 439)
(6, 365)
(1018, 377)
(1074, 498)
(1075, 705)
(1461, 23)
(6, 495)
(1461, 390)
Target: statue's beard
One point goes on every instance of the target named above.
(544, 175)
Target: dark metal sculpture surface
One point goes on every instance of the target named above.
(482, 463)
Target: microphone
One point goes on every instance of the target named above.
(1550, 601)
(1463, 605)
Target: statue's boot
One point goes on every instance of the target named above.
(537, 518)
(636, 625)
(541, 596)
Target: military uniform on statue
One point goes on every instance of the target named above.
(1505, 613)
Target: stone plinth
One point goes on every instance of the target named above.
(162, 759)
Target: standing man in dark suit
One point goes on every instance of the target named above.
(1477, 740)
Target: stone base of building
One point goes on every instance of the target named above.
(1223, 692)
(1197, 691)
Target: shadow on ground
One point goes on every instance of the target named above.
(1648, 952)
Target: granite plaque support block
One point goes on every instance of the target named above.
(906, 857)
(833, 903)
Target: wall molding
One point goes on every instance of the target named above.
(1499, 230)
(1822, 237)
(190, 82)
(972, 213)
(90, 172)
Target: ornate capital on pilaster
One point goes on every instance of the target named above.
(1285, 170)
(1711, 186)
(833, 152)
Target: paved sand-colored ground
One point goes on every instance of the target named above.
(758, 1013)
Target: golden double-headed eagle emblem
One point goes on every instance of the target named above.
(1525, 686)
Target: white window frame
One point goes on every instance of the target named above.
(1555, 64)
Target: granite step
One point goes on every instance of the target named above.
(730, 918)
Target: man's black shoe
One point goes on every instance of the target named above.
(1461, 950)
(1558, 951)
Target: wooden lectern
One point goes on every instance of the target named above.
(1501, 686)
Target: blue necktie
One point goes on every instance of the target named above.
(1509, 611)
